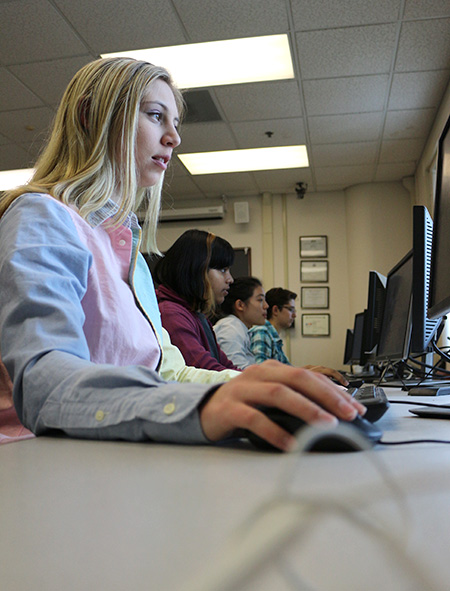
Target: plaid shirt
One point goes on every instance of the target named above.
(266, 343)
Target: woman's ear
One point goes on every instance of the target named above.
(239, 305)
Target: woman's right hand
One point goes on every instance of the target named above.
(298, 391)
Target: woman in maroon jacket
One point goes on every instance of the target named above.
(194, 278)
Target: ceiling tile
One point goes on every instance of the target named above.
(60, 71)
(344, 154)
(207, 20)
(28, 125)
(344, 175)
(357, 127)
(424, 45)
(265, 100)
(328, 14)
(182, 187)
(282, 181)
(408, 124)
(415, 90)
(282, 132)
(337, 52)
(401, 150)
(215, 185)
(35, 31)
(394, 171)
(12, 157)
(18, 95)
(119, 25)
(205, 137)
(346, 95)
(426, 8)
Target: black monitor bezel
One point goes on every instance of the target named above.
(403, 354)
(423, 328)
(437, 309)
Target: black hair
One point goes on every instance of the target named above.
(241, 289)
(277, 296)
(185, 265)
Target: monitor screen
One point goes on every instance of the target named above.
(358, 328)
(396, 326)
(423, 328)
(439, 298)
(373, 315)
(348, 347)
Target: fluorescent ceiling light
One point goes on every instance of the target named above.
(10, 179)
(245, 160)
(215, 63)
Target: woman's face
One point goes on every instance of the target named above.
(220, 280)
(157, 134)
(255, 308)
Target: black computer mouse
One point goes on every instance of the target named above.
(333, 439)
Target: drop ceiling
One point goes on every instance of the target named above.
(369, 78)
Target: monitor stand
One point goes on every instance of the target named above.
(429, 390)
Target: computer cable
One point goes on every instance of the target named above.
(286, 517)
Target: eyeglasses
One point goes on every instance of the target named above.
(291, 309)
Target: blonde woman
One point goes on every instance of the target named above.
(80, 331)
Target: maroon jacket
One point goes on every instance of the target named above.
(187, 333)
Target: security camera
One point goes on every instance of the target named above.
(300, 189)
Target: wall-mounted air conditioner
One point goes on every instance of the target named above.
(213, 212)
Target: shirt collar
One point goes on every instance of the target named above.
(273, 331)
(106, 212)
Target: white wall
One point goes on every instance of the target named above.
(368, 227)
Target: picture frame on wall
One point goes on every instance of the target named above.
(315, 297)
(315, 325)
(313, 246)
(314, 271)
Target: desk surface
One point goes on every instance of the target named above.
(90, 515)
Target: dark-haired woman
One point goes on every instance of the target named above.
(194, 277)
(245, 306)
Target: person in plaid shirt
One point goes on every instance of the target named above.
(265, 340)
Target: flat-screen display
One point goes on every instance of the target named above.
(395, 333)
(439, 297)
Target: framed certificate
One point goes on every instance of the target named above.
(315, 297)
(313, 246)
(314, 271)
(316, 325)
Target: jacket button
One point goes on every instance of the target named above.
(99, 415)
(169, 409)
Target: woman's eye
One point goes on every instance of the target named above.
(156, 115)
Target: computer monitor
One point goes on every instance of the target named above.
(358, 327)
(348, 347)
(373, 316)
(439, 296)
(423, 328)
(395, 332)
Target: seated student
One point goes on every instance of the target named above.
(79, 325)
(194, 277)
(265, 341)
(244, 306)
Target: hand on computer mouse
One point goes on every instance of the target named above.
(333, 374)
(298, 391)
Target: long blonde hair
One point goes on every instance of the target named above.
(97, 120)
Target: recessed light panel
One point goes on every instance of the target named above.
(245, 160)
(215, 63)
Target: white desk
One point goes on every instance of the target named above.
(88, 515)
